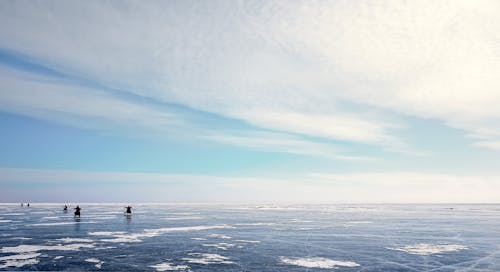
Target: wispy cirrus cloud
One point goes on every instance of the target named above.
(288, 67)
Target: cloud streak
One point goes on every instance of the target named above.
(367, 187)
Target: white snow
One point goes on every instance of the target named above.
(98, 263)
(220, 236)
(167, 266)
(18, 263)
(223, 246)
(428, 249)
(74, 240)
(20, 256)
(19, 260)
(36, 248)
(148, 233)
(317, 262)
(247, 241)
(207, 258)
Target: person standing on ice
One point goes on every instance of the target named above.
(77, 211)
(128, 212)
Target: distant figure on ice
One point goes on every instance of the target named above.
(28, 205)
(65, 208)
(128, 212)
(22, 204)
(77, 211)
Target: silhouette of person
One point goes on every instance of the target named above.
(129, 210)
(77, 211)
(65, 208)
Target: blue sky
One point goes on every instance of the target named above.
(256, 101)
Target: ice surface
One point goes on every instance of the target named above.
(60, 223)
(317, 262)
(268, 238)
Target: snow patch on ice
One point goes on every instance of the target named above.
(74, 240)
(51, 217)
(247, 241)
(207, 258)
(317, 262)
(98, 263)
(106, 233)
(428, 249)
(18, 263)
(148, 233)
(58, 257)
(21, 238)
(256, 224)
(36, 248)
(220, 236)
(167, 266)
(20, 256)
(19, 260)
(223, 246)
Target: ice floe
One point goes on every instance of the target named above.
(167, 266)
(317, 262)
(6, 221)
(207, 258)
(428, 249)
(198, 239)
(58, 257)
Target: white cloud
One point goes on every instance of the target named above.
(283, 66)
(383, 187)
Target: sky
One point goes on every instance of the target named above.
(250, 101)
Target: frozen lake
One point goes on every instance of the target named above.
(251, 238)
